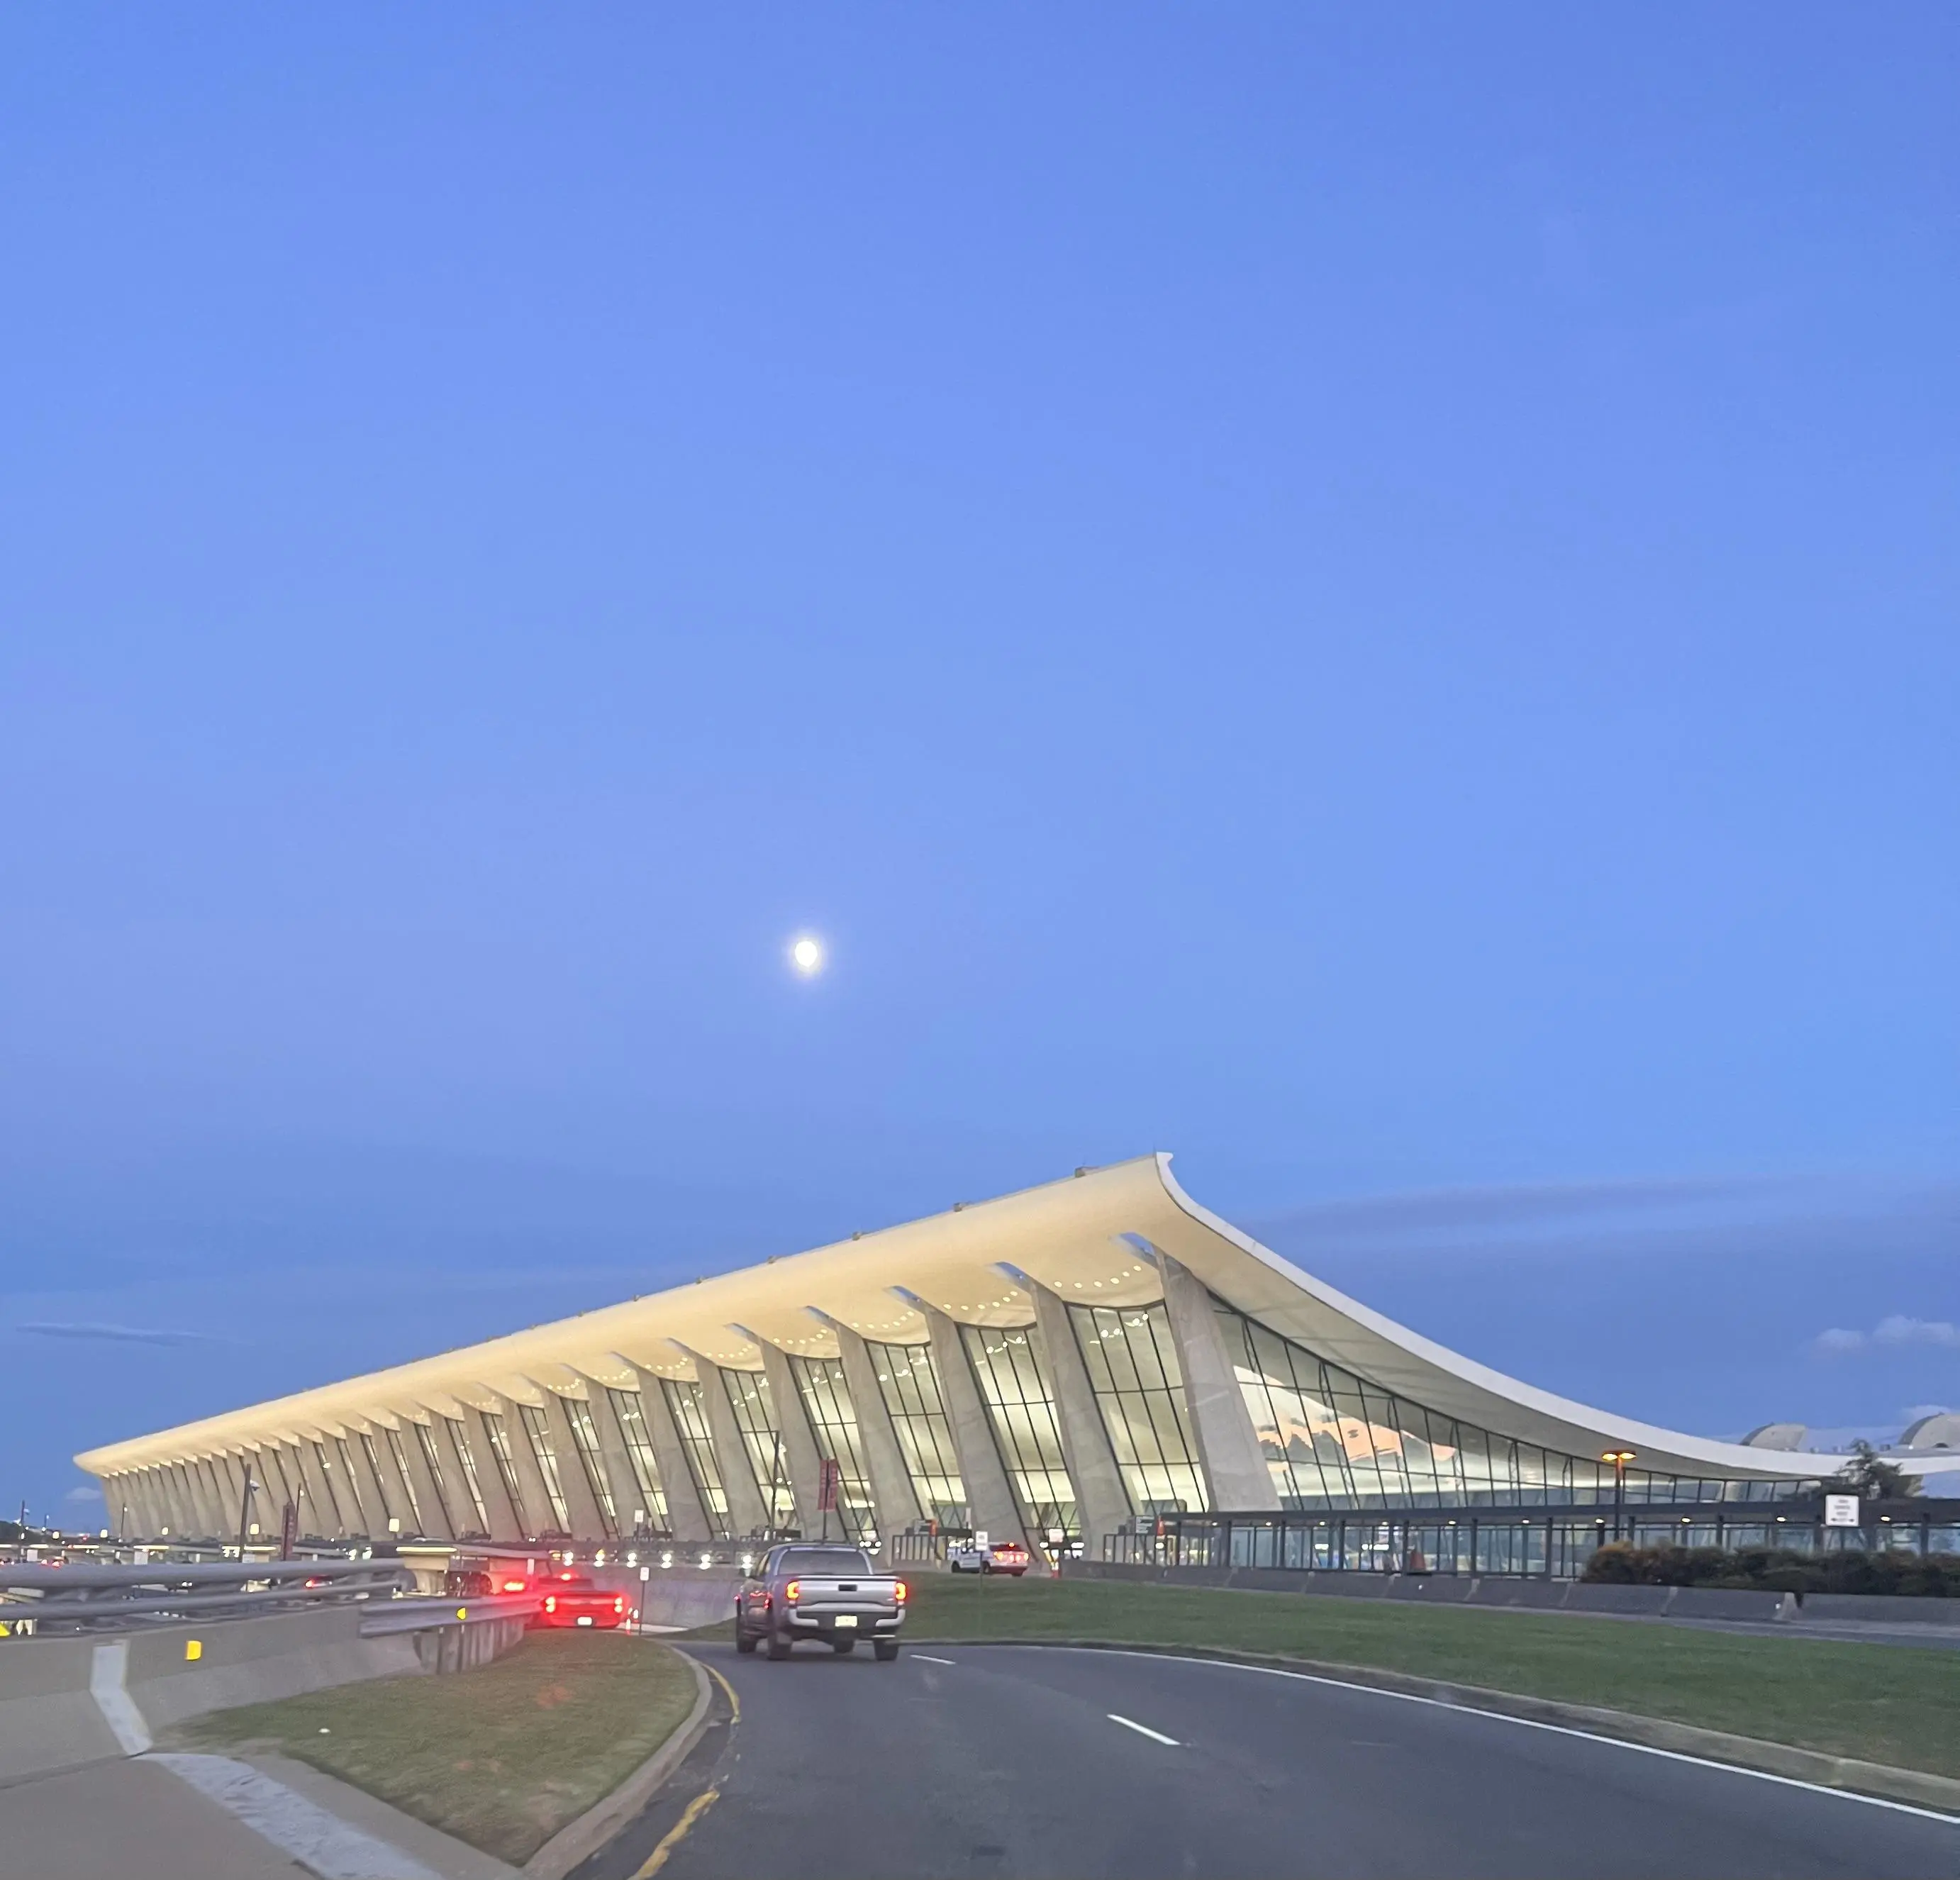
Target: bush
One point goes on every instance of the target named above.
(1933, 1576)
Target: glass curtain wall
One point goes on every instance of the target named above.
(393, 1440)
(585, 1440)
(1332, 1439)
(833, 1421)
(537, 1427)
(690, 1415)
(749, 1392)
(466, 1460)
(1020, 1407)
(910, 1387)
(632, 1419)
(1133, 1369)
(376, 1477)
(331, 1510)
(353, 1496)
(499, 1440)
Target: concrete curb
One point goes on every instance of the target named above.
(578, 1840)
(1919, 1787)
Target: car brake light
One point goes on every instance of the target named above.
(793, 1590)
(514, 1586)
(550, 1603)
(619, 1604)
(901, 1591)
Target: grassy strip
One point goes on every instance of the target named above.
(502, 1756)
(1884, 1704)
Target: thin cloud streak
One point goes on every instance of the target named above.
(116, 1334)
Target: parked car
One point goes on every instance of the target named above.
(833, 1595)
(572, 1599)
(997, 1556)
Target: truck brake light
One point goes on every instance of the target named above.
(901, 1591)
(793, 1592)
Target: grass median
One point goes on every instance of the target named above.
(502, 1757)
(1884, 1704)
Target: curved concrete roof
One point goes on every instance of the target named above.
(1091, 1238)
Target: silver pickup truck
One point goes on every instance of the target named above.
(832, 1594)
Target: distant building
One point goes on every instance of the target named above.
(1065, 1366)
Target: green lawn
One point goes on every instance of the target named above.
(1885, 1703)
(502, 1756)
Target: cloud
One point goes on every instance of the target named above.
(114, 1334)
(87, 1491)
(1891, 1331)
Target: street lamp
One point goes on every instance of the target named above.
(1619, 1459)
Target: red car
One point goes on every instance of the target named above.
(572, 1599)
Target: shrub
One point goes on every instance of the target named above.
(1932, 1576)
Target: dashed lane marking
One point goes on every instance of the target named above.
(926, 1658)
(1143, 1729)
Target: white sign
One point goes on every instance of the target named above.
(1840, 1511)
(979, 1537)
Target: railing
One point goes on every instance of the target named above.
(86, 1598)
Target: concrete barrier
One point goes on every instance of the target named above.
(65, 1701)
(1886, 1608)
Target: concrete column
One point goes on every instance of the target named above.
(1235, 1475)
(290, 1483)
(893, 1493)
(169, 1509)
(588, 1518)
(799, 1450)
(230, 1472)
(747, 1514)
(380, 1506)
(1101, 1503)
(122, 1495)
(442, 1514)
(687, 1516)
(186, 1519)
(266, 1499)
(989, 1494)
(141, 1494)
(210, 1515)
(530, 1478)
(627, 1493)
(506, 1523)
(317, 1511)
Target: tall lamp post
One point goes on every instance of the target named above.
(1619, 1459)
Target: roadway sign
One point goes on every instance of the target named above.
(1840, 1511)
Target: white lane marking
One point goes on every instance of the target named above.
(322, 1843)
(926, 1658)
(108, 1669)
(1527, 1723)
(1143, 1729)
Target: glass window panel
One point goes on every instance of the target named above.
(690, 1415)
(466, 1457)
(833, 1421)
(1021, 1410)
(538, 1428)
(910, 1388)
(406, 1477)
(585, 1439)
(749, 1393)
(375, 1475)
(1140, 1392)
(499, 1440)
(631, 1416)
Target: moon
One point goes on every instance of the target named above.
(806, 955)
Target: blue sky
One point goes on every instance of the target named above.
(1367, 599)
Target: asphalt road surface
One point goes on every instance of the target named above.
(994, 1760)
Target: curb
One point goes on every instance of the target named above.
(1919, 1787)
(578, 1840)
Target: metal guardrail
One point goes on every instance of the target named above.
(386, 1616)
(96, 1598)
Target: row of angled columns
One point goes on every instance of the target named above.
(389, 1474)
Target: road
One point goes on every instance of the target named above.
(979, 1761)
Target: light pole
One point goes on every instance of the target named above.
(1619, 1459)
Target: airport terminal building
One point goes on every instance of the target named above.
(1089, 1366)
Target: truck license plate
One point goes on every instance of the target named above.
(846, 1618)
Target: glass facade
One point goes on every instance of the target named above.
(1334, 1440)
(631, 1416)
(377, 1478)
(1133, 1369)
(910, 1387)
(465, 1461)
(749, 1392)
(690, 1415)
(585, 1440)
(499, 1440)
(833, 1421)
(332, 1511)
(537, 1427)
(406, 1476)
(1020, 1409)
(350, 1485)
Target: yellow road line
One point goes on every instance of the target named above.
(734, 1702)
(674, 1835)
